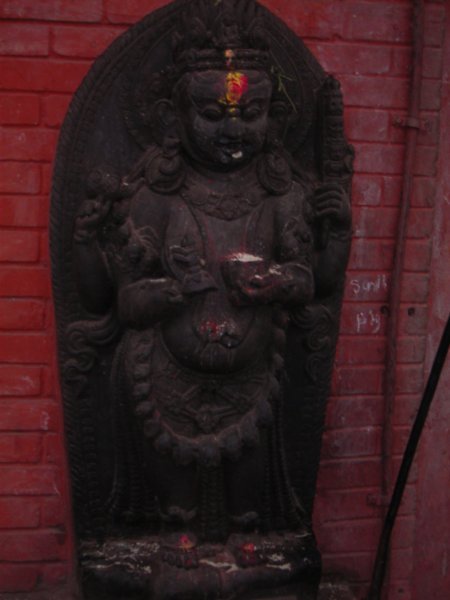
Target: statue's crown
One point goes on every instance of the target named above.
(221, 34)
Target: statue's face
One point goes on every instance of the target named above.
(224, 116)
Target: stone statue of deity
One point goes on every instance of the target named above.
(206, 268)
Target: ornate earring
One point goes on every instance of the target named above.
(274, 171)
(165, 170)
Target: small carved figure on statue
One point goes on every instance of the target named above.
(193, 267)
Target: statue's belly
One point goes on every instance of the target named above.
(219, 341)
(212, 334)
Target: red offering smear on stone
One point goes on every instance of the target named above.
(229, 55)
(236, 84)
(249, 548)
(185, 542)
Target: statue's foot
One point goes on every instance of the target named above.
(248, 554)
(181, 553)
(181, 559)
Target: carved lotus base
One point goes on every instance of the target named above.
(176, 567)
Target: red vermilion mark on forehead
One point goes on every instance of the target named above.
(236, 84)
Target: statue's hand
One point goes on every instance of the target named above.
(91, 215)
(261, 288)
(332, 207)
(287, 284)
(186, 257)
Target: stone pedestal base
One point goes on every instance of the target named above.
(176, 567)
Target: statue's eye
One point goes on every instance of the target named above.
(251, 113)
(212, 113)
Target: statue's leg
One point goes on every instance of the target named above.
(213, 514)
(244, 481)
(175, 487)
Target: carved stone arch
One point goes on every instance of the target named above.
(108, 126)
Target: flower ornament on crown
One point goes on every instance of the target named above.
(221, 35)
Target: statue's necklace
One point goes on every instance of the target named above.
(229, 205)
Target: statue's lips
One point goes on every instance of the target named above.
(234, 149)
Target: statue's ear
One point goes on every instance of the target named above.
(279, 118)
(165, 120)
(165, 112)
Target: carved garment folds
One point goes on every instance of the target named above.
(200, 234)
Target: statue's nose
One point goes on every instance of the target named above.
(232, 127)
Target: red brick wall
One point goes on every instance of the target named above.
(431, 576)
(46, 47)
